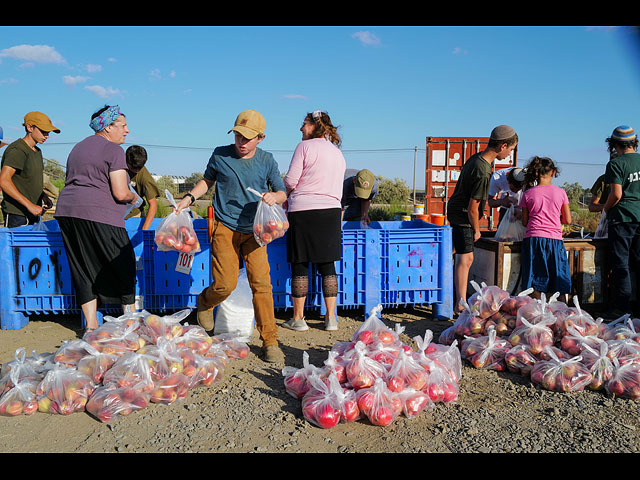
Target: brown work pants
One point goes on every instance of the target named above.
(226, 248)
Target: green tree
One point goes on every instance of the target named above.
(166, 183)
(394, 191)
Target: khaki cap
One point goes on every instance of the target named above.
(41, 121)
(249, 124)
(363, 183)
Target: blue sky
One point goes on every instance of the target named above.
(563, 89)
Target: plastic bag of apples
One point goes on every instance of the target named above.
(21, 398)
(175, 232)
(327, 403)
(270, 221)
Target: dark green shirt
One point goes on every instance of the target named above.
(625, 171)
(28, 177)
(600, 190)
(473, 183)
(145, 186)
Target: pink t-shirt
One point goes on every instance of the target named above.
(544, 203)
(315, 176)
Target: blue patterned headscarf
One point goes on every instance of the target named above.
(105, 119)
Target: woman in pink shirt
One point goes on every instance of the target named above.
(545, 208)
(314, 186)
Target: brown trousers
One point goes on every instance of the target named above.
(227, 246)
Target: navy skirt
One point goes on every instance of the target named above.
(545, 266)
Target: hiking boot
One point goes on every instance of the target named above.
(330, 324)
(297, 325)
(272, 354)
(204, 317)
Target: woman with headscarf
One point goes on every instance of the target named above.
(90, 212)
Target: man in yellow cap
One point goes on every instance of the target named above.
(359, 188)
(234, 168)
(21, 174)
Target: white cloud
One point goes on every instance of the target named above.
(91, 68)
(8, 81)
(172, 74)
(73, 81)
(111, 59)
(459, 51)
(367, 38)
(33, 53)
(102, 92)
(155, 73)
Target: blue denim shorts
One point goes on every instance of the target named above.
(545, 265)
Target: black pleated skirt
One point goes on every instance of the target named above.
(314, 236)
(102, 262)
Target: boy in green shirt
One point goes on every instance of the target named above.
(623, 215)
(143, 183)
(21, 174)
(467, 203)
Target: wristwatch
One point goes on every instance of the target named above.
(193, 199)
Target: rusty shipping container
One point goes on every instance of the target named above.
(445, 158)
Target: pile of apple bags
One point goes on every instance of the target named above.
(118, 368)
(375, 376)
(559, 347)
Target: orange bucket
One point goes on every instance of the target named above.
(437, 219)
(423, 217)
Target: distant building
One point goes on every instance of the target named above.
(175, 178)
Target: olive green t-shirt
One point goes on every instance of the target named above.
(145, 186)
(600, 190)
(28, 177)
(473, 183)
(625, 171)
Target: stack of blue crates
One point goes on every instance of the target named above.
(393, 264)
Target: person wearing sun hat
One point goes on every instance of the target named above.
(21, 174)
(622, 209)
(233, 168)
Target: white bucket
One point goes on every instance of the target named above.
(418, 209)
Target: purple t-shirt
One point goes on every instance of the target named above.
(544, 204)
(87, 190)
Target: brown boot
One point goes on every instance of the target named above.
(205, 317)
(272, 354)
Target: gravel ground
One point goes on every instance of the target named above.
(249, 411)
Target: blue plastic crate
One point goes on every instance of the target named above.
(35, 277)
(168, 290)
(395, 264)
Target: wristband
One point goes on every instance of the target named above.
(193, 199)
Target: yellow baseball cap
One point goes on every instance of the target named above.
(249, 124)
(41, 121)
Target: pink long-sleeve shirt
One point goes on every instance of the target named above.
(315, 176)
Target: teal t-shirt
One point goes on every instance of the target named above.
(625, 171)
(235, 206)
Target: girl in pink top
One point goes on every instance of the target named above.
(314, 187)
(545, 208)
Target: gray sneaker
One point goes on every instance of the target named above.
(297, 325)
(330, 324)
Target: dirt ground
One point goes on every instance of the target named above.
(249, 411)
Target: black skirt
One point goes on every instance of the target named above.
(314, 236)
(102, 262)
